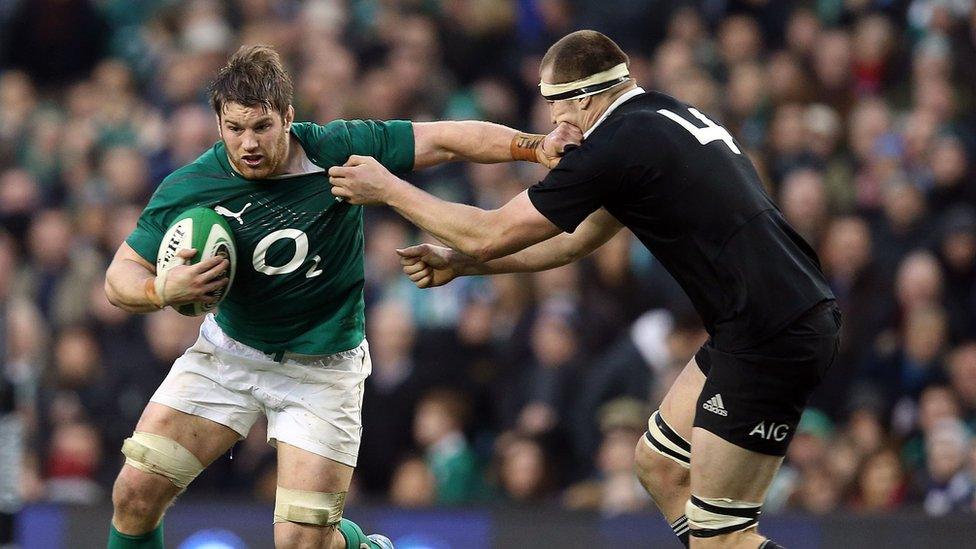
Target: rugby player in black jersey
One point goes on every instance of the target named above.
(686, 189)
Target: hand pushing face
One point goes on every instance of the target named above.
(560, 141)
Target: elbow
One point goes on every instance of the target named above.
(110, 293)
(434, 155)
(490, 240)
(483, 254)
(447, 155)
(481, 249)
(568, 258)
(576, 252)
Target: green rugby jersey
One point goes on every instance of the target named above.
(299, 280)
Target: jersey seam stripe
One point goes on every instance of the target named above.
(751, 218)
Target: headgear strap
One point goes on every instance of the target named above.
(589, 85)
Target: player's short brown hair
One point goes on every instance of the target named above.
(580, 54)
(253, 76)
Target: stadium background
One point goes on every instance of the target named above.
(506, 406)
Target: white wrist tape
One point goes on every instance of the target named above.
(160, 285)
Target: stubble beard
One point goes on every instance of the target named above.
(273, 158)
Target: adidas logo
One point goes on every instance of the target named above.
(715, 405)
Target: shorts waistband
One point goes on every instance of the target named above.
(212, 332)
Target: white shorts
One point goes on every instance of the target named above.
(312, 402)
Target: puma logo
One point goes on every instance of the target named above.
(236, 215)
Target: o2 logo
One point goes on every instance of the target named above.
(297, 259)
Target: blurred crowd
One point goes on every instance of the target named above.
(858, 114)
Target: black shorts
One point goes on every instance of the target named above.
(754, 398)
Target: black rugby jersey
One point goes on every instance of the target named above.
(688, 191)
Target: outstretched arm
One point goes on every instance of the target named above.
(428, 265)
(562, 249)
(482, 234)
(488, 143)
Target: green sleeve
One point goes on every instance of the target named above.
(153, 222)
(390, 142)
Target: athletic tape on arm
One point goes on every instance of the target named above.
(155, 288)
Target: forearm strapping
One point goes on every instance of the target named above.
(524, 145)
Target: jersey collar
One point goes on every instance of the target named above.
(620, 100)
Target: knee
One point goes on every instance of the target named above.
(138, 503)
(658, 473)
(663, 457)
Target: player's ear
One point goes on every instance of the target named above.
(289, 117)
(218, 126)
(585, 102)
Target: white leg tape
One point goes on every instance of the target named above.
(162, 456)
(709, 517)
(304, 507)
(666, 443)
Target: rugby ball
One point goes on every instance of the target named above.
(209, 234)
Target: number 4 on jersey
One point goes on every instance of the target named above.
(711, 131)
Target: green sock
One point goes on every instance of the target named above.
(149, 540)
(355, 538)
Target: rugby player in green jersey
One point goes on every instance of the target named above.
(289, 340)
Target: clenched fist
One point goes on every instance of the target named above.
(362, 180)
(560, 141)
(429, 266)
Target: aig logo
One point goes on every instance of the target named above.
(774, 431)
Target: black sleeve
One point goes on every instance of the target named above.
(578, 186)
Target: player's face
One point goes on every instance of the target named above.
(256, 138)
(566, 111)
(563, 111)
